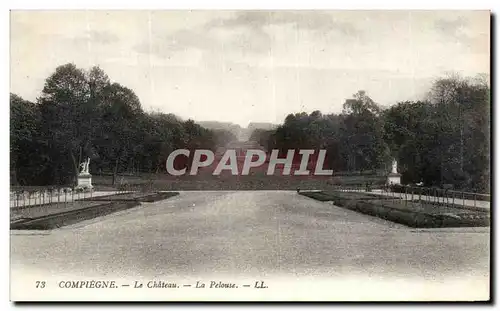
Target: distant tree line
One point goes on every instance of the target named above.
(82, 114)
(444, 139)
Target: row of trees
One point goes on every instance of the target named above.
(444, 139)
(83, 114)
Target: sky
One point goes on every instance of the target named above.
(252, 66)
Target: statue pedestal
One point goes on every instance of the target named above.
(84, 181)
(394, 179)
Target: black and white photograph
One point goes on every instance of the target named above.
(250, 155)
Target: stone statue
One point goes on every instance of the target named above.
(394, 178)
(87, 166)
(84, 166)
(84, 179)
(394, 167)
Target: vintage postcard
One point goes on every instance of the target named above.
(204, 155)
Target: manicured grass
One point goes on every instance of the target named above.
(37, 211)
(52, 221)
(343, 195)
(412, 214)
(435, 192)
(134, 197)
(258, 181)
(158, 196)
(50, 216)
(453, 205)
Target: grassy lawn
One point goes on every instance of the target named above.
(52, 221)
(256, 181)
(411, 213)
(55, 215)
(134, 196)
(332, 195)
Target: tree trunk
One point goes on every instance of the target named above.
(13, 169)
(75, 166)
(115, 171)
(461, 149)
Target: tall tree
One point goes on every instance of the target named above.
(28, 157)
(64, 105)
(363, 134)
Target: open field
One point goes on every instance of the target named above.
(260, 181)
